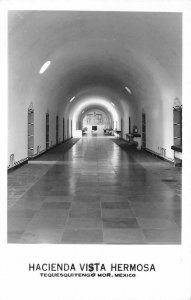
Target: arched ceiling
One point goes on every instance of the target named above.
(95, 107)
(92, 103)
(93, 51)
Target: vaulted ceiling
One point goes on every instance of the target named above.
(93, 53)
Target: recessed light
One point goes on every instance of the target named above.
(128, 90)
(45, 66)
(72, 99)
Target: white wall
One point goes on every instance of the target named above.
(17, 131)
(18, 128)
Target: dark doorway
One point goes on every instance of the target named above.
(177, 125)
(47, 131)
(67, 129)
(121, 127)
(63, 125)
(129, 124)
(30, 132)
(143, 130)
(56, 130)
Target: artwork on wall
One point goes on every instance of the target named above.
(95, 118)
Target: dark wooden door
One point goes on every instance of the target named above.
(67, 129)
(56, 130)
(30, 132)
(63, 129)
(121, 127)
(47, 131)
(143, 130)
(129, 125)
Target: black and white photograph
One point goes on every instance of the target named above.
(95, 142)
(95, 112)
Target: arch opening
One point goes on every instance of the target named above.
(90, 111)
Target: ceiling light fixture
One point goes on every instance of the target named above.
(45, 66)
(128, 90)
(112, 103)
(72, 99)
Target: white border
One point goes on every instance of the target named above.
(173, 263)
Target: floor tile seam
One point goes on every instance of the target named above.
(25, 232)
(82, 229)
(141, 229)
(67, 220)
(131, 208)
(143, 240)
(17, 199)
(35, 214)
(161, 230)
(162, 216)
(102, 227)
(166, 208)
(24, 186)
(157, 228)
(163, 243)
(179, 225)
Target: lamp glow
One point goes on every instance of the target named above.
(128, 90)
(45, 66)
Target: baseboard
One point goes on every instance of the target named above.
(37, 155)
(18, 164)
(169, 160)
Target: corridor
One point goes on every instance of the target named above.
(96, 102)
(91, 191)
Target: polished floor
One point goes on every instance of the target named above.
(95, 191)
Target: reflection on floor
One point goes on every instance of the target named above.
(95, 193)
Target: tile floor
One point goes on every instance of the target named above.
(95, 192)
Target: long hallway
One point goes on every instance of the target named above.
(91, 191)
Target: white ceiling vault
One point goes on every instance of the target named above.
(94, 53)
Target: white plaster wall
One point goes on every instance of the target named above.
(159, 118)
(17, 131)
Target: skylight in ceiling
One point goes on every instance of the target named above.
(128, 90)
(44, 67)
(72, 99)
